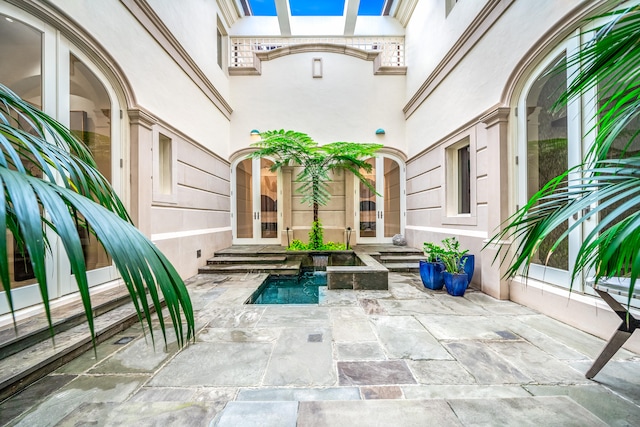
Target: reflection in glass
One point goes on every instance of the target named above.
(90, 121)
(368, 212)
(547, 155)
(268, 200)
(391, 198)
(244, 200)
(21, 71)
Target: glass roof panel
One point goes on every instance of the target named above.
(316, 8)
(370, 7)
(263, 7)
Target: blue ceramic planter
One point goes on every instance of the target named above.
(431, 274)
(469, 265)
(456, 284)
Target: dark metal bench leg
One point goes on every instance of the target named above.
(626, 328)
(614, 344)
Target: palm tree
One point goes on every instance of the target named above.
(290, 148)
(607, 186)
(51, 183)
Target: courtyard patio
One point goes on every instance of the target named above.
(406, 357)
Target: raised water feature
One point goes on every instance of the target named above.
(303, 289)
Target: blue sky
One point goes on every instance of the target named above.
(316, 7)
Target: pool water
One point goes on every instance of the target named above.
(296, 290)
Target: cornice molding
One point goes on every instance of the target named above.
(496, 116)
(81, 39)
(482, 23)
(151, 22)
(404, 11)
(229, 11)
(269, 55)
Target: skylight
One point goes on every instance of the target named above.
(263, 7)
(314, 7)
(370, 7)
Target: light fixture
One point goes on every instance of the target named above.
(380, 131)
(254, 132)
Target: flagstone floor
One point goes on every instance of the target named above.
(403, 357)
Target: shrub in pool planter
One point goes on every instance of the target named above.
(431, 274)
(456, 283)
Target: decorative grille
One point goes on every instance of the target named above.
(242, 48)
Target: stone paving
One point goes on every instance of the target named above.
(403, 357)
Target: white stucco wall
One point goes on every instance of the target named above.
(347, 104)
(160, 85)
(477, 83)
(194, 24)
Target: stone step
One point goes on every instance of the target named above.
(246, 260)
(288, 268)
(403, 267)
(401, 258)
(34, 329)
(24, 367)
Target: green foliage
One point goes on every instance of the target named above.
(298, 245)
(451, 255)
(290, 148)
(432, 251)
(316, 236)
(49, 182)
(606, 187)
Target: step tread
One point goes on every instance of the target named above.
(403, 266)
(401, 258)
(35, 328)
(227, 259)
(291, 267)
(44, 355)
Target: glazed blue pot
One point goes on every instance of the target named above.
(456, 284)
(431, 274)
(469, 265)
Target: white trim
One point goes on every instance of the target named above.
(189, 233)
(454, 231)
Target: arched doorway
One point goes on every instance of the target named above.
(255, 202)
(381, 216)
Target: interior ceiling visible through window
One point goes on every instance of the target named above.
(316, 7)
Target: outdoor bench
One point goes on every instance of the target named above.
(606, 289)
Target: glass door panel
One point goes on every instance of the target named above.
(268, 200)
(550, 144)
(21, 71)
(392, 215)
(368, 203)
(256, 212)
(244, 200)
(380, 215)
(90, 122)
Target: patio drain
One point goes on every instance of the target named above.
(314, 338)
(507, 335)
(124, 340)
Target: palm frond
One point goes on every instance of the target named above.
(49, 179)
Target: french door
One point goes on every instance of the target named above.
(550, 142)
(44, 69)
(256, 202)
(381, 216)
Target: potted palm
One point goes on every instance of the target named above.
(432, 268)
(456, 280)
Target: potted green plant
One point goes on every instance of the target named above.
(456, 280)
(432, 268)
